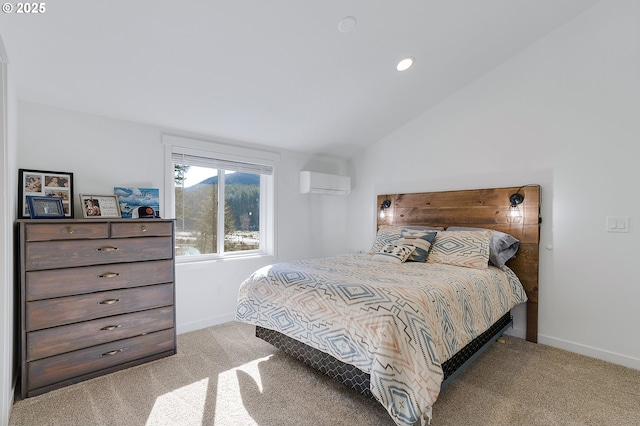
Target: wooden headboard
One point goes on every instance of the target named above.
(482, 208)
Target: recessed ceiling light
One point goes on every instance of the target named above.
(405, 64)
(347, 24)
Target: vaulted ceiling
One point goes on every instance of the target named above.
(279, 73)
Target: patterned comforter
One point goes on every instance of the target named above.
(397, 322)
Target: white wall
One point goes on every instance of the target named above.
(103, 153)
(8, 188)
(564, 114)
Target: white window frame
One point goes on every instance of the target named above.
(187, 146)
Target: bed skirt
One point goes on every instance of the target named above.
(357, 379)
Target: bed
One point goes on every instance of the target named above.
(400, 330)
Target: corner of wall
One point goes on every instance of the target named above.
(7, 218)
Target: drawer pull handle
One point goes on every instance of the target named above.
(143, 228)
(109, 301)
(110, 327)
(105, 249)
(109, 275)
(69, 230)
(112, 353)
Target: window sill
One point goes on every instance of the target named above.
(185, 260)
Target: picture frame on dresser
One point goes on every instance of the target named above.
(138, 202)
(45, 207)
(41, 183)
(100, 206)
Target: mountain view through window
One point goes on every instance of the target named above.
(200, 219)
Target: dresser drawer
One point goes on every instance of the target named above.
(65, 231)
(66, 366)
(137, 229)
(63, 254)
(58, 340)
(89, 279)
(67, 310)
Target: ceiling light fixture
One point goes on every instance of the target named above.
(405, 64)
(347, 24)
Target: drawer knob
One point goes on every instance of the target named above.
(111, 327)
(109, 301)
(109, 275)
(107, 249)
(143, 228)
(69, 230)
(112, 353)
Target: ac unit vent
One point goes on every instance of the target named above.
(323, 183)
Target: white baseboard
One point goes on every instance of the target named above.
(592, 352)
(517, 332)
(207, 322)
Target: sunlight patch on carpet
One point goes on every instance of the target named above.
(184, 406)
(229, 405)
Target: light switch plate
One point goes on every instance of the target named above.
(617, 223)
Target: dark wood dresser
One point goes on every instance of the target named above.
(97, 296)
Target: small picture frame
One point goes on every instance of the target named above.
(45, 207)
(40, 183)
(99, 206)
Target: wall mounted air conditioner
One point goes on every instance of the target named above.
(322, 183)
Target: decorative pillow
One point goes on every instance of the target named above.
(462, 248)
(503, 246)
(393, 253)
(421, 240)
(388, 234)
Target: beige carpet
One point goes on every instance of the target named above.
(224, 376)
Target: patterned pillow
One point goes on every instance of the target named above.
(389, 234)
(421, 240)
(461, 248)
(503, 246)
(393, 253)
(386, 235)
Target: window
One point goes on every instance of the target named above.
(222, 203)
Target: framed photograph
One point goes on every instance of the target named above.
(45, 207)
(39, 183)
(99, 206)
(138, 202)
